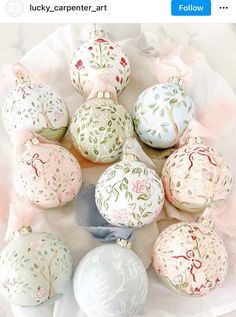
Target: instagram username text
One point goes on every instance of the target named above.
(68, 8)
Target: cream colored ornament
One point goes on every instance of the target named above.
(35, 268)
(129, 193)
(100, 127)
(162, 113)
(35, 107)
(190, 258)
(102, 58)
(195, 177)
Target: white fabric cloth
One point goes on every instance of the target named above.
(49, 62)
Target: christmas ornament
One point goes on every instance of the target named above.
(162, 113)
(100, 127)
(190, 258)
(35, 268)
(111, 281)
(46, 175)
(195, 177)
(35, 107)
(129, 193)
(102, 58)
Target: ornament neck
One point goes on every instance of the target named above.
(22, 80)
(21, 232)
(31, 142)
(129, 157)
(195, 140)
(175, 80)
(104, 94)
(205, 221)
(124, 243)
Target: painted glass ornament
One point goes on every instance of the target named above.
(47, 175)
(195, 177)
(111, 281)
(36, 107)
(190, 258)
(100, 127)
(129, 193)
(99, 57)
(35, 268)
(162, 113)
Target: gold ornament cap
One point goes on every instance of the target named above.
(195, 140)
(23, 231)
(104, 95)
(124, 243)
(129, 157)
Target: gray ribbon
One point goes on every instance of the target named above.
(88, 217)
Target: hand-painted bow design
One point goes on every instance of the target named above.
(202, 152)
(33, 164)
(190, 256)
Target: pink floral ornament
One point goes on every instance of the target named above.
(40, 293)
(141, 187)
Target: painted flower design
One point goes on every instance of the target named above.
(141, 187)
(90, 48)
(7, 284)
(121, 215)
(208, 174)
(100, 40)
(36, 245)
(40, 293)
(104, 117)
(111, 47)
(79, 64)
(118, 79)
(123, 62)
(57, 115)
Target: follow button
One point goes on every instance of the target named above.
(191, 7)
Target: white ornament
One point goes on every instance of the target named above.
(190, 258)
(35, 107)
(35, 268)
(111, 281)
(162, 113)
(129, 193)
(102, 58)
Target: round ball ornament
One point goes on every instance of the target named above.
(190, 258)
(162, 113)
(35, 107)
(99, 57)
(195, 177)
(47, 175)
(35, 268)
(129, 193)
(111, 281)
(100, 127)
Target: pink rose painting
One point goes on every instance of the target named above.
(141, 186)
(121, 215)
(39, 293)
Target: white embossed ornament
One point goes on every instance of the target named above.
(111, 281)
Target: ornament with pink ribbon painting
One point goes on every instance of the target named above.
(99, 58)
(190, 258)
(46, 174)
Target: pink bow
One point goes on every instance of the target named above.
(190, 256)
